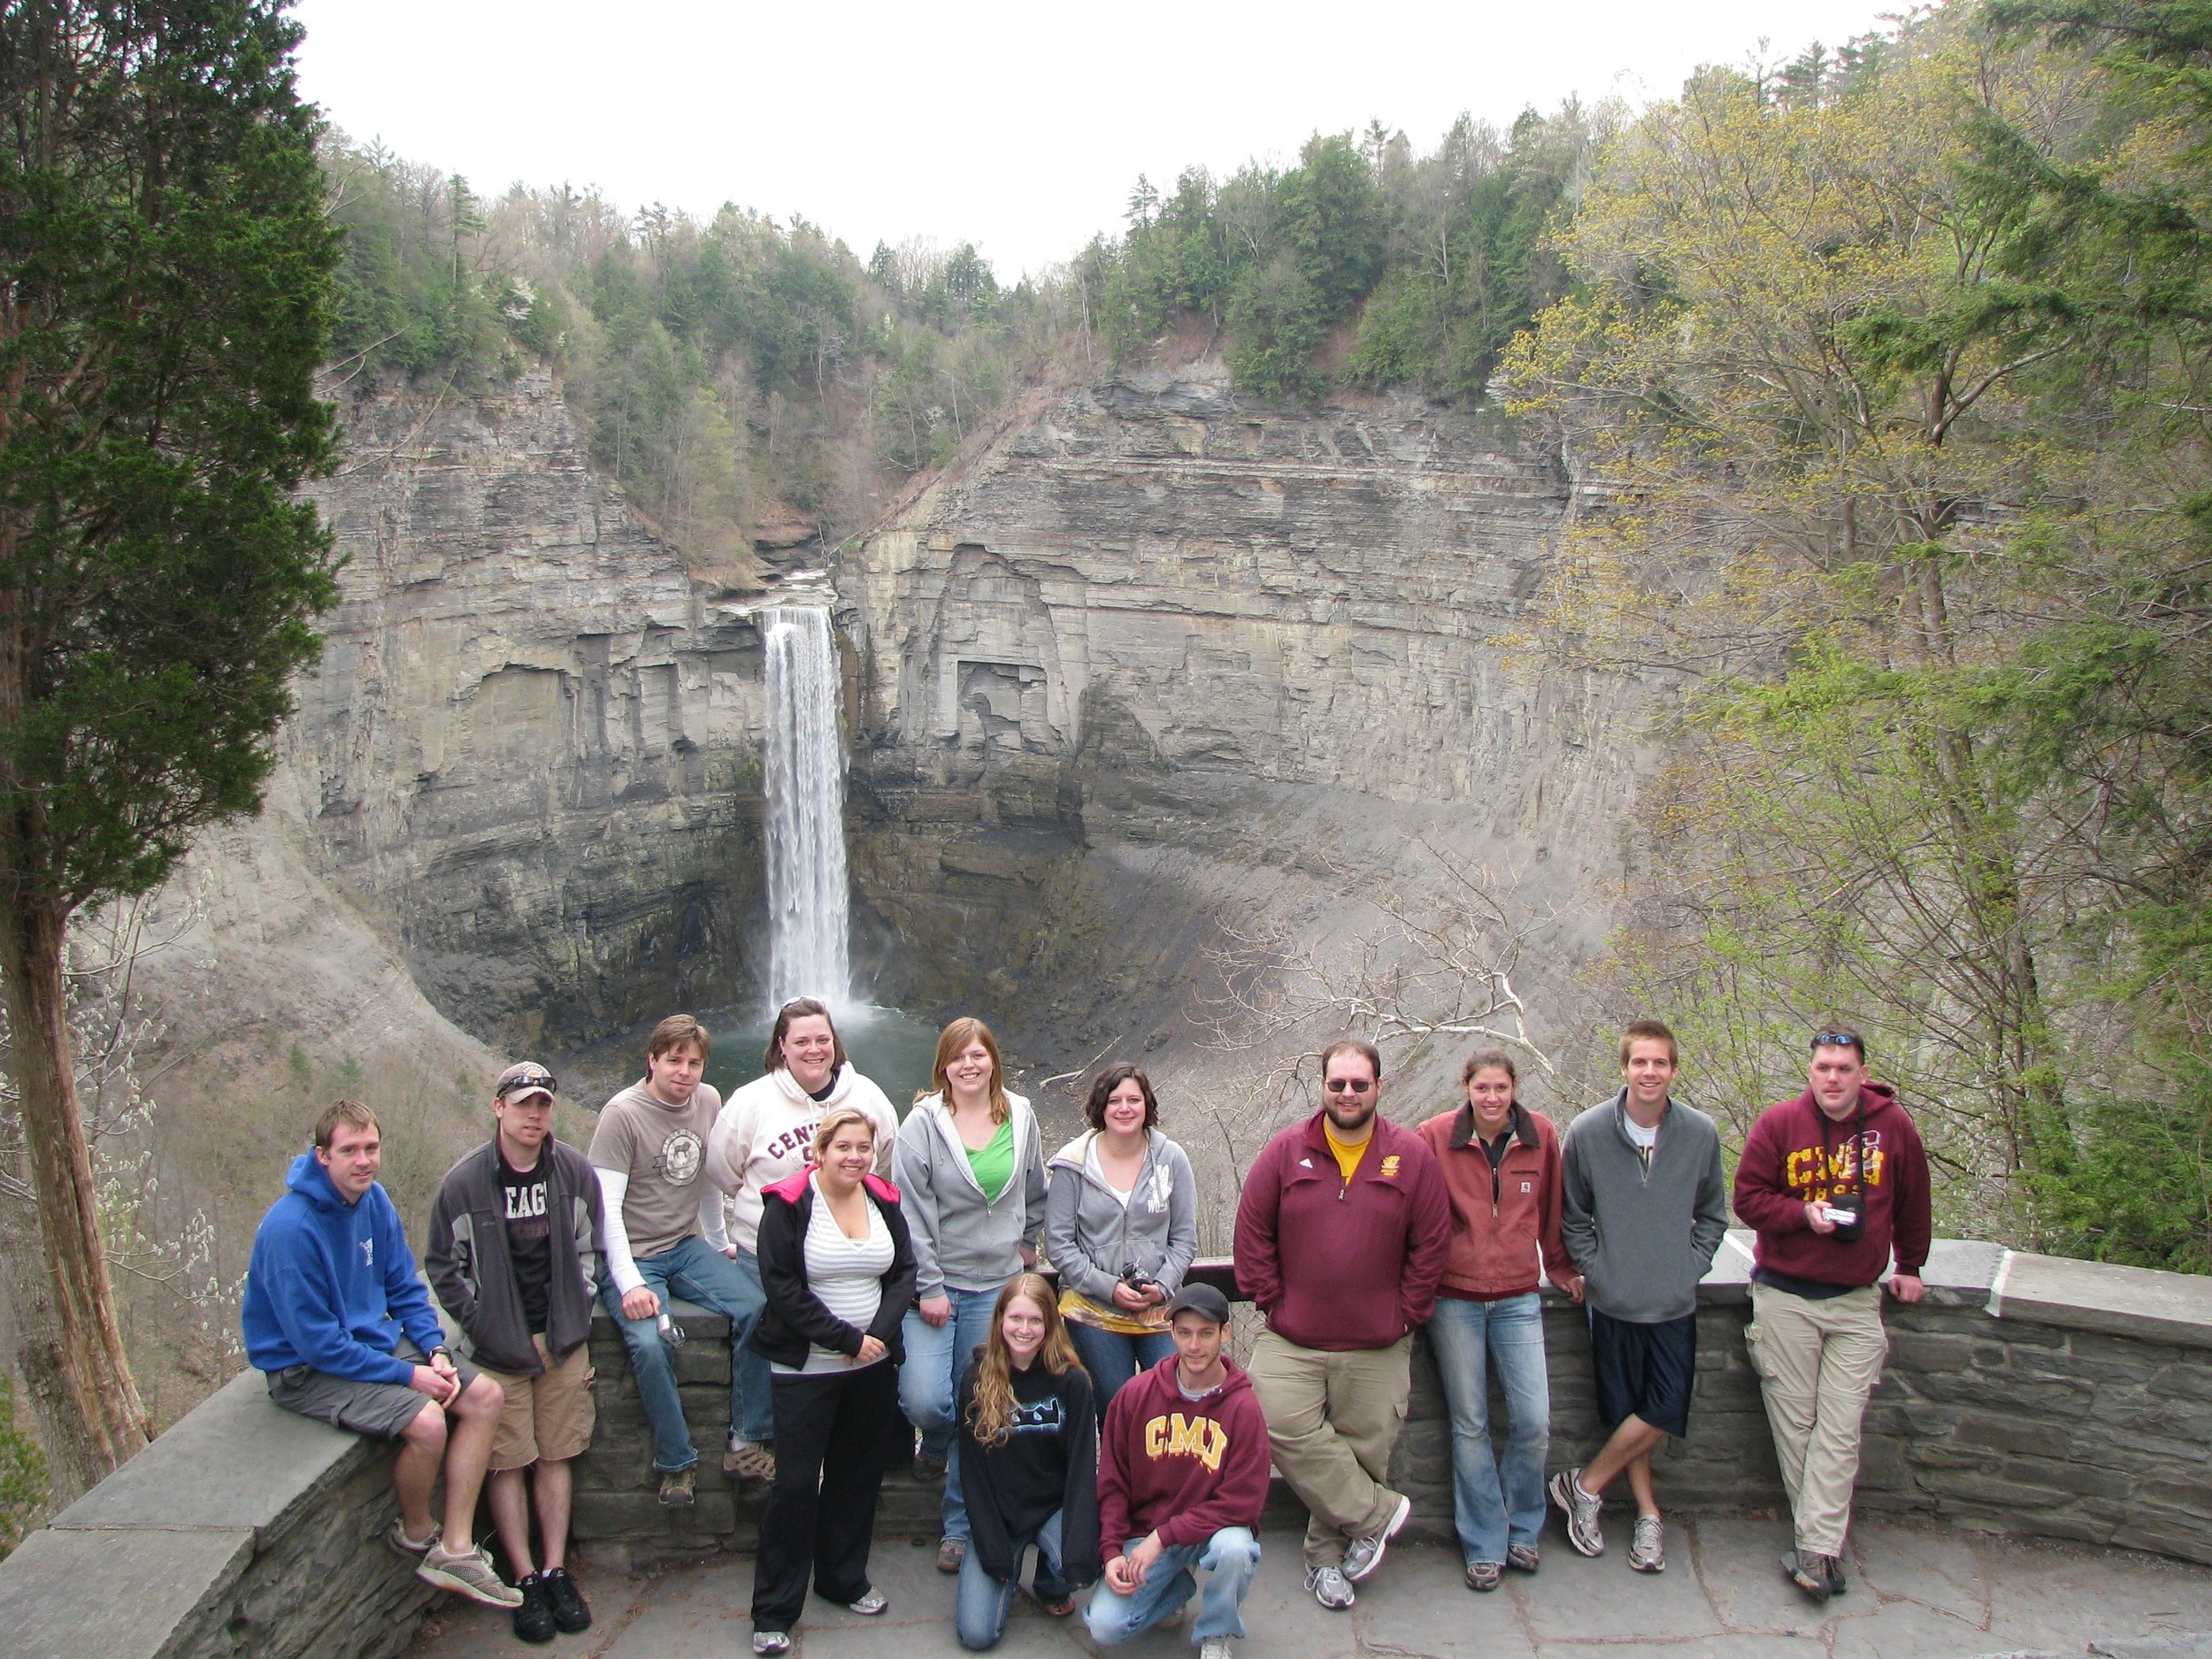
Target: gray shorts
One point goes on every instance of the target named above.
(380, 1408)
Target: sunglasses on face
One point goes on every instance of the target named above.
(1355, 1085)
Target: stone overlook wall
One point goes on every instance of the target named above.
(2029, 1394)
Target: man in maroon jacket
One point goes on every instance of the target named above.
(1342, 1237)
(1833, 1181)
(1182, 1476)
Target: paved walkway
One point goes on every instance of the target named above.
(1919, 1590)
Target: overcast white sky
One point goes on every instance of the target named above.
(1020, 128)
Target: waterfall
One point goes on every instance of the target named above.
(806, 809)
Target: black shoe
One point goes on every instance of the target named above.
(569, 1612)
(533, 1619)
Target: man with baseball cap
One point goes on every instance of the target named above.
(1182, 1475)
(515, 1240)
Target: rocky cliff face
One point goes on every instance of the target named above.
(1157, 661)
(1151, 664)
(533, 745)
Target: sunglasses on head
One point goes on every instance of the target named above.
(1356, 1085)
(537, 1078)
(1839, 1040)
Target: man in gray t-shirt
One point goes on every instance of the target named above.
(665, 1237)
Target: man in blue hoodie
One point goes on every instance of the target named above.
(336, 1317)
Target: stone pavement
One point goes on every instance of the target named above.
(1919, 1590)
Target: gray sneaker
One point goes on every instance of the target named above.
(1215, 1647)
(1581, 1510)
(1330, 1587)
(467, 1573)
(1647, 1553)
(1363, 1555)
(1522, 1557)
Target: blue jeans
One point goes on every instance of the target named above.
(1494, 1507)
(929, 1377)
(1230, 1557)
(981, 1603)
(698, 1272)
(1113, 1359)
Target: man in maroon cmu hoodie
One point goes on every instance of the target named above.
(1833, 1181)
(1182, 1475)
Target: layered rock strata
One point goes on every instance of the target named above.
(533, 741)
(1157, 658)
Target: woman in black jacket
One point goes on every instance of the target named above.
(838, 1270)
(1028, 1464)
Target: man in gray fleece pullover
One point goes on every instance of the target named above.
(1645, 1206)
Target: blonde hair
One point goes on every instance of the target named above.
(835, 1118)
(991, 1412)
(958, 1035)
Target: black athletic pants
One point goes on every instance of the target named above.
(834, 1432)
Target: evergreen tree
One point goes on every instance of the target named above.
(168, 301)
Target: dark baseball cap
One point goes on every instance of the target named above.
(1202, 1300)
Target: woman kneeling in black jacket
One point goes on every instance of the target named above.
(1028, 1464)
(838, 1270)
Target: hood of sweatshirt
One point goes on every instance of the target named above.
(311, 1181)
(1872, 1096)
(1076, 1154)
(841, 1086)
(933, 1109)
(792, 1187)
(1158, 1386)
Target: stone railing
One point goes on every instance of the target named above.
(243, 1530)
(2027, 1395)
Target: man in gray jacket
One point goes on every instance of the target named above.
(513, 1255)
(1645, 1208)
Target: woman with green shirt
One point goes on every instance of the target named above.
(970, 1172)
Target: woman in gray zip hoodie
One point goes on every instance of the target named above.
(1121, 1224)
(970, 1172)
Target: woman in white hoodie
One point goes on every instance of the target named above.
(971, 1174)
(764, 1132)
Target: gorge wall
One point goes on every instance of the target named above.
(1156, 661)
(533, 741)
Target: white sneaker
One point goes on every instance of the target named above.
(1363, 1555)
(1330, 1587)
(468, 1573)
(1214, 1647)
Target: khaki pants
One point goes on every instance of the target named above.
(1332, 1421)
(1818, 1362)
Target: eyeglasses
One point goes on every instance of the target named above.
(535, 1077)
(1355, 1085)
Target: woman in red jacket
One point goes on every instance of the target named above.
(1501, 1165)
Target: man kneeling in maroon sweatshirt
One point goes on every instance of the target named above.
(1833, 1181)
(1182, 1474)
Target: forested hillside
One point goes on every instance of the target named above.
(1901, 377)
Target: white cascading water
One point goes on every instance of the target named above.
(807, 912)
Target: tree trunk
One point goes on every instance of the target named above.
(30, 1329)
(90, 1339)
